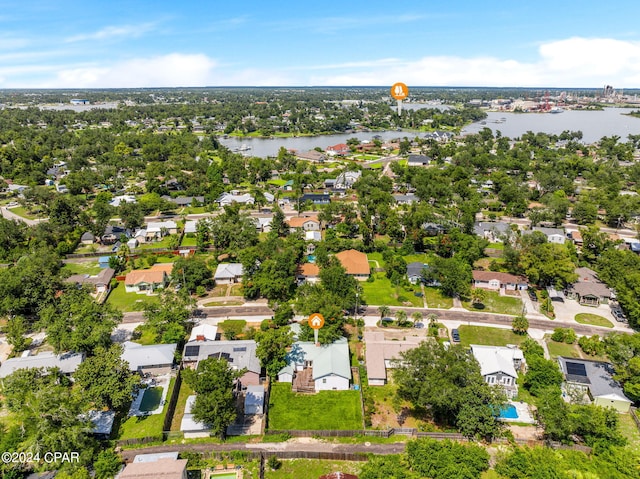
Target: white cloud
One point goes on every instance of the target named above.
(112, 32)
(168, 70)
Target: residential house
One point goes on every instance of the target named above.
(147, 281)
(67, 363)
(229, 198)
(494, 232)
(159, 229)
(595, 379)
(239, 355)
(313, 236)
(355, 263)
(305, 223)
(307, 273)
(414, 271)
(101, 423)
(433, 229)
(382, 354)
(118, 200)
(228, 273)
(418, 160)
(263, 224)
(341, 149)
(496, 280)
(311, 155)
(346, 179)
(103, 261)
(499, 365)
(313, 367)
(152, 359)
(407, 199)
(184, 201)
(190, 227)
(588, 289)
(132, 244)
(554, 235)
(98, 283)
(316, 198)
(87, 238)
(204, 332)
(112, 234)
(576, 237)
(155, 466)
(439, 136)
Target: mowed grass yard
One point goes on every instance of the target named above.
(488, 336)
(497, 304)
(323, 410)
(146, 426)
(123, 301)
(381, 291)
(593, 320)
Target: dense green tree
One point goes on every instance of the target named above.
(167, 320)
(541, 374)
(213, 382)
(191, 272)
(446, 459)
(272, 349)
(520, 324)
(453, 275)
(106, 380)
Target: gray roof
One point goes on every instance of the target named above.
(418, 159)
(599, 377)
(67, 363)
(103, 277)
(239, 354)
(327, 359)
(140, 357)
(228, 271)
(497, 227)
(102, 421)
(415, 269)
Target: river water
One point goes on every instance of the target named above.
(593, 124)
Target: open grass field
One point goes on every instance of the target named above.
(593, 320)
(435, 299)
(89, 267)
(381, 291)
(185, 392)
(628, 428)
(323, 410)
(497, 304)
(186, 241)
(163, 243)
(569, 351)
(30, 215)
(123, 301)
(298, 468)
(488, 336)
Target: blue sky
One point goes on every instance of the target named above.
(141, 43)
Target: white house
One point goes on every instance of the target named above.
(312, 367)
(229, 198)
(496, 280)
(499, 365)
(228, 273)
(554, 235)
(158, 229)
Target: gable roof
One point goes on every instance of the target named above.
(308, 270)
(415, 269)
(148, 276)
(379, 350)
(239, 354)
(67, 363)
(328, 359)
(207, 331)
(228, 270)
(139, 356)
(599, 378)
(496, 359)
(299, 221)
(354, 262)
(162, 469)
(504, 278)
(103, 277)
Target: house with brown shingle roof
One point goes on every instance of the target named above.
(305, 223)
(588, 290)
(147, 281)
(496, 280)
(308, 273)
(355, 263)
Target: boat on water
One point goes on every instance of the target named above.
(556, 109)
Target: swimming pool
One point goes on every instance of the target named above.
(311, 258)
(510, 412)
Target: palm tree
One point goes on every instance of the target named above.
(384, 311)
(401, 317)
(417, 317)
(478, 295)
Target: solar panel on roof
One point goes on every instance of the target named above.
(576, 369)
(239, 350)
(192, 350)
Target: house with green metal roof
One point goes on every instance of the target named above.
(313, 367)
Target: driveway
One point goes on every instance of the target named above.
(567, 310)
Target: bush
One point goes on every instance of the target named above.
(274, 463)
(559, 335)
(592, 346)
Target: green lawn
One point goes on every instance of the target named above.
(185, 392)
(435, 299)
(163, 243)
(91, 268)
(499, 246)
(593, 320)
(488, 336)
(563, 349)
(151, 399)
(381, 291)
(144, 426)
(123, 301)
(186, 241)
(497, 304)
(420, 257)
(323, 410)
(376, 257)
(297, 468)
(20, 211)
(277, 183)
(628, 428)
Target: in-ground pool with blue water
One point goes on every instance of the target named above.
(311, 258)
(510, 412)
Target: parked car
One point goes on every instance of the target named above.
(533, 295)
(455, 335)
(619, 315)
